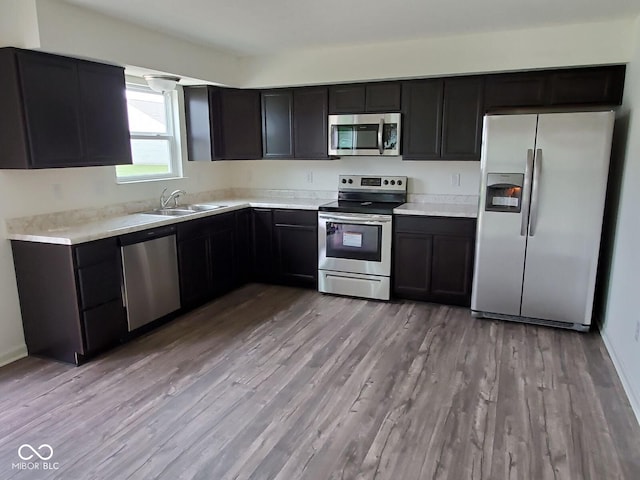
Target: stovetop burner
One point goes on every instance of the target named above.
(372, 195)
(352, 206)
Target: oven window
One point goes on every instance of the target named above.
(353, 241)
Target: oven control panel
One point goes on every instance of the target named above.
(369, 183)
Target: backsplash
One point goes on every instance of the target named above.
(83, 216)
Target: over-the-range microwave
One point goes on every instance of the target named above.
(364, 134)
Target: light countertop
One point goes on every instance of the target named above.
(123, 224)
(438, 210)
(135, 222)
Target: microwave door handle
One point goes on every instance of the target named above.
(380, 140)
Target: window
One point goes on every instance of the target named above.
(154, 143)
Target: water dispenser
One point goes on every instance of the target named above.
(504, 192)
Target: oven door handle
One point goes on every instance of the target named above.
(358, 220)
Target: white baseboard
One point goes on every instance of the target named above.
(13, 355)
(620, 368)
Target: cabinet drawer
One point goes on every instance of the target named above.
(295, 217)
(436, 225)
(99, 284)
(96, 252)
(104, 325)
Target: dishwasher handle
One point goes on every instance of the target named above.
(146, 235)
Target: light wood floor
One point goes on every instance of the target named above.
(280, 383)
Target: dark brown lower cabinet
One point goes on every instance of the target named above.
(207, 258)
(70, 298)
(433, 259)
(285, 246)
(296, 247)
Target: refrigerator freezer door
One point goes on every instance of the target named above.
(500, 245)
(571, 165)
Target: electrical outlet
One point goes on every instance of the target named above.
(57, 191)
(455, 179)
(637, 335)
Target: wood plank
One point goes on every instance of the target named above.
(282, 383)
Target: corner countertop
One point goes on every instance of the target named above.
(121, 225)
(463, 210)
(134, 222)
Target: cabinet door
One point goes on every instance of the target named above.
(277, 124)
(462, 118)
(104, 326)
(412, 265)
(382, 97)
(422, 126)
(452, 269)
(223, 239)
(49, 86)
(515, 90)
(297, 254)
(262, 227)
(586, 86)
(296, 247)
(195, 272)
(201, 106)
(347, 99)
(240, 123)
(310, 117)
(104, 114)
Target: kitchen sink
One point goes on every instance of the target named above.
(171, 212)
(183, 210)
(204, 207)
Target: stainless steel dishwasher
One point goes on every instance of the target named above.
(150, 273)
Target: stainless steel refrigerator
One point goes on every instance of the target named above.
(542, 194)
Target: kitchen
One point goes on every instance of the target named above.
(91, 35)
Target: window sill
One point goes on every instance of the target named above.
(122, 181)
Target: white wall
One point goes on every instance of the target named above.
(19, 23)
(71, 30)
(425, 177)
(622, 316)
(565, 45)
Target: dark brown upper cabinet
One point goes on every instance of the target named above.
(365, 97)
(61, 112)
(515, 90)
(277, 124)
(587, 86)
(310, 122)
(294, 123)
(223, 123)
(442, 119)
(462, 118)
(240, 123)
(422, 126)
(573, 87)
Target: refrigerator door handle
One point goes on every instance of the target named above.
(526, 193)
(537, 166)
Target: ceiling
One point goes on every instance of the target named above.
(256, 27)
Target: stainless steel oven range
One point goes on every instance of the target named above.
(354, 236)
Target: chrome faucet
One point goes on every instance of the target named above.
(172, 196)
